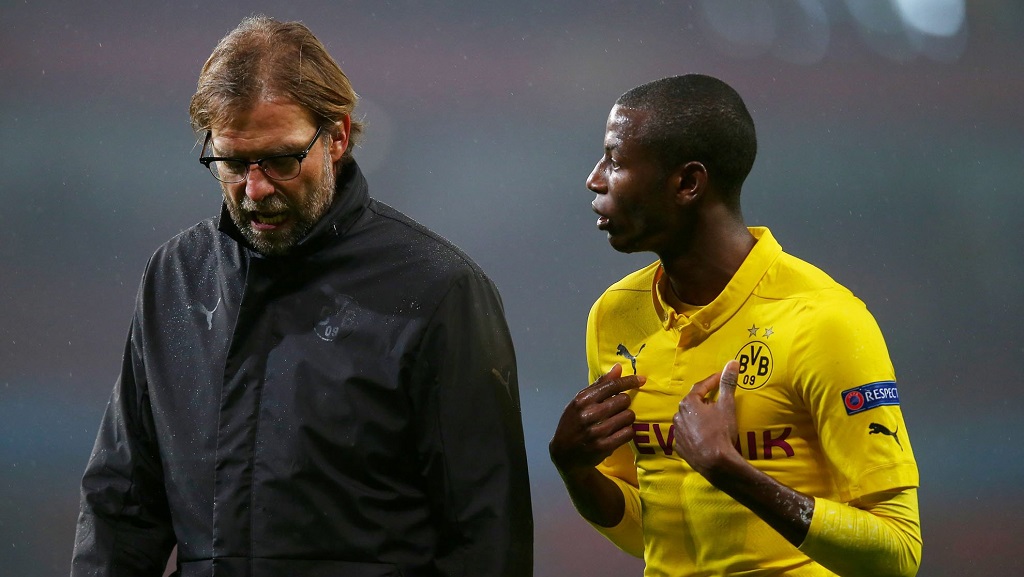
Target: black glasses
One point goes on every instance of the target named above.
(276, 167)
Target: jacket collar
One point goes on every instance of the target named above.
(351, 196)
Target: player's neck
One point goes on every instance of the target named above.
(699, 273)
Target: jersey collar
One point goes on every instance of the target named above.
(709, 318)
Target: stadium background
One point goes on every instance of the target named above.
(890, 155)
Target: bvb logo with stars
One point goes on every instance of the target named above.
(755, 360)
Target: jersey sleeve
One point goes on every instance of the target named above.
(620, 466)
(847, 381)
(880, 536)
(628, 534)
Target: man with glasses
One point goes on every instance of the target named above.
(313, 384)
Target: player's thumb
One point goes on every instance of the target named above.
(727, 385)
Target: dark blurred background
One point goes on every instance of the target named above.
(891, 155)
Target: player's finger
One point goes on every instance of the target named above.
(612, 374)
(618, 438)
(706, 386)
(587, 395)
(727, 385)
(616, 403)
(592, 411)
(602, 390)
(607, 427)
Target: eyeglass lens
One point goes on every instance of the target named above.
(277, 168)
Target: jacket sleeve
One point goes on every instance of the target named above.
(124, 526)
(471, 436)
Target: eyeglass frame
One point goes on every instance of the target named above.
(298, 156)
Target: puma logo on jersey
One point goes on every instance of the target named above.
(208, 312)
(622, 351)
(878, 429)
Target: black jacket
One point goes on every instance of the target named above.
(351, 409)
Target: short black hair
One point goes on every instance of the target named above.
(695, 117)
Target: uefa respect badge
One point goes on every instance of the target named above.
(869, 396)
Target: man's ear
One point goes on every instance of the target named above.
(692, 182)
(339, 138)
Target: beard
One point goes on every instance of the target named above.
(303, 213)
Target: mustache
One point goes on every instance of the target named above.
(272, 203)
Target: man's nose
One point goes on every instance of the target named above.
(258, 186)
(595, 182)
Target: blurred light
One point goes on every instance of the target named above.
(877, 17)
(901, 30)
(935, 17)
(800, 32)
(940, 48)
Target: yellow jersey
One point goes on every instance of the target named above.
(817, 409)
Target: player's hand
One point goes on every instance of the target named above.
(705, 430)
(596, 422)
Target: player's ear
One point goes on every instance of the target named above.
(691, 182)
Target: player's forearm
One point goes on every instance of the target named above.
(787, 511)
(611, 505)
(597, 498)
(883, 538)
